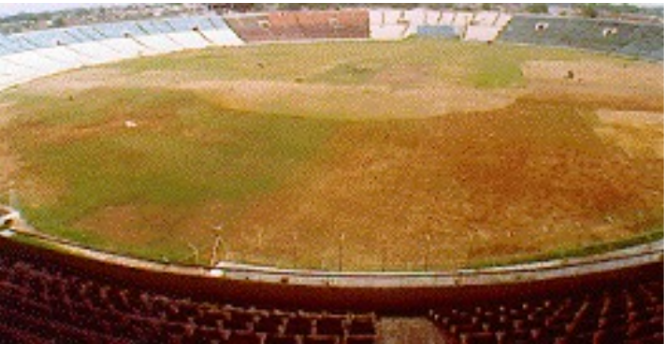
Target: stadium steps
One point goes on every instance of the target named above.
(399, 330)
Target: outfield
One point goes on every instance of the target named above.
(422, 154)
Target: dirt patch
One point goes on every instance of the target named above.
(638, 133)
(182, 231)
(326, 100)
(618, 85)
(463, 188)
(506, 173)
(8, 160)
(631, 117)
(349, 102)
(76, 81)
(404, 76)
(621, 76)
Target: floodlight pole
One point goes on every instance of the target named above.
(196, 253)
(383, 252)
(217, 242)
(295, 253)
(342, 238)
(427, 238)
(259, 237)
(13, 199)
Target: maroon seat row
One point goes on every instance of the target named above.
(41, 303)
(305, 25)
(632, 314)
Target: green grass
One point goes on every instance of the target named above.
(191, 150)
(184, 153)
(576, 252)
(481, 65)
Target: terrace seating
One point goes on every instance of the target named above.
(462, 19)
(157, 37)
(646, 41)
(485, 18)
(481, 33)
(482, 26)
(447, 18)
(122, 37)
(352, 24)
(415, 18)
(187, 32)
(13, 73)
(388, 24)
(438, 31)
(334, 24)
(35, 54)
(251, 28)
(54, 45)
(89, 47)
(285, 26)
(306, 25)
(486, 26)
(633, 313)
(219, 32)
(19, 51)
(643, 40)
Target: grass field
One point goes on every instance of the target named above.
(421, 154)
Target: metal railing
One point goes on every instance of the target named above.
(569, 267)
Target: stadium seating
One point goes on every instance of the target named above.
(88, 45)
(46, 295)
(53, 297)
(485, 18)
(481, 33)
(41, 301)
(250, 27)
(55, 46)
(351, 24)
(35, 54)
(415, 18)
(12, 73)
(486, 26)
(187, 32)
(643, 40)
(303, 25)
(388, 24)
(632, 313)
(441, 31)
(285, 26)
(646, 41)
(158, 36)
(220, 33)
(462, 19)
(446, 18)
(122, 37)
(334, 24)
(399, 24)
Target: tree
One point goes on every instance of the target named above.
(588, 10)
(537, 8)
(58, 22)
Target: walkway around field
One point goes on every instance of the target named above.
(571, 267)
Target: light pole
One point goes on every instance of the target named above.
(427, 238)
(195, 252)
(383, 243)
(217, 242)
(259, 237)
(342, 238)
(294, 243)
